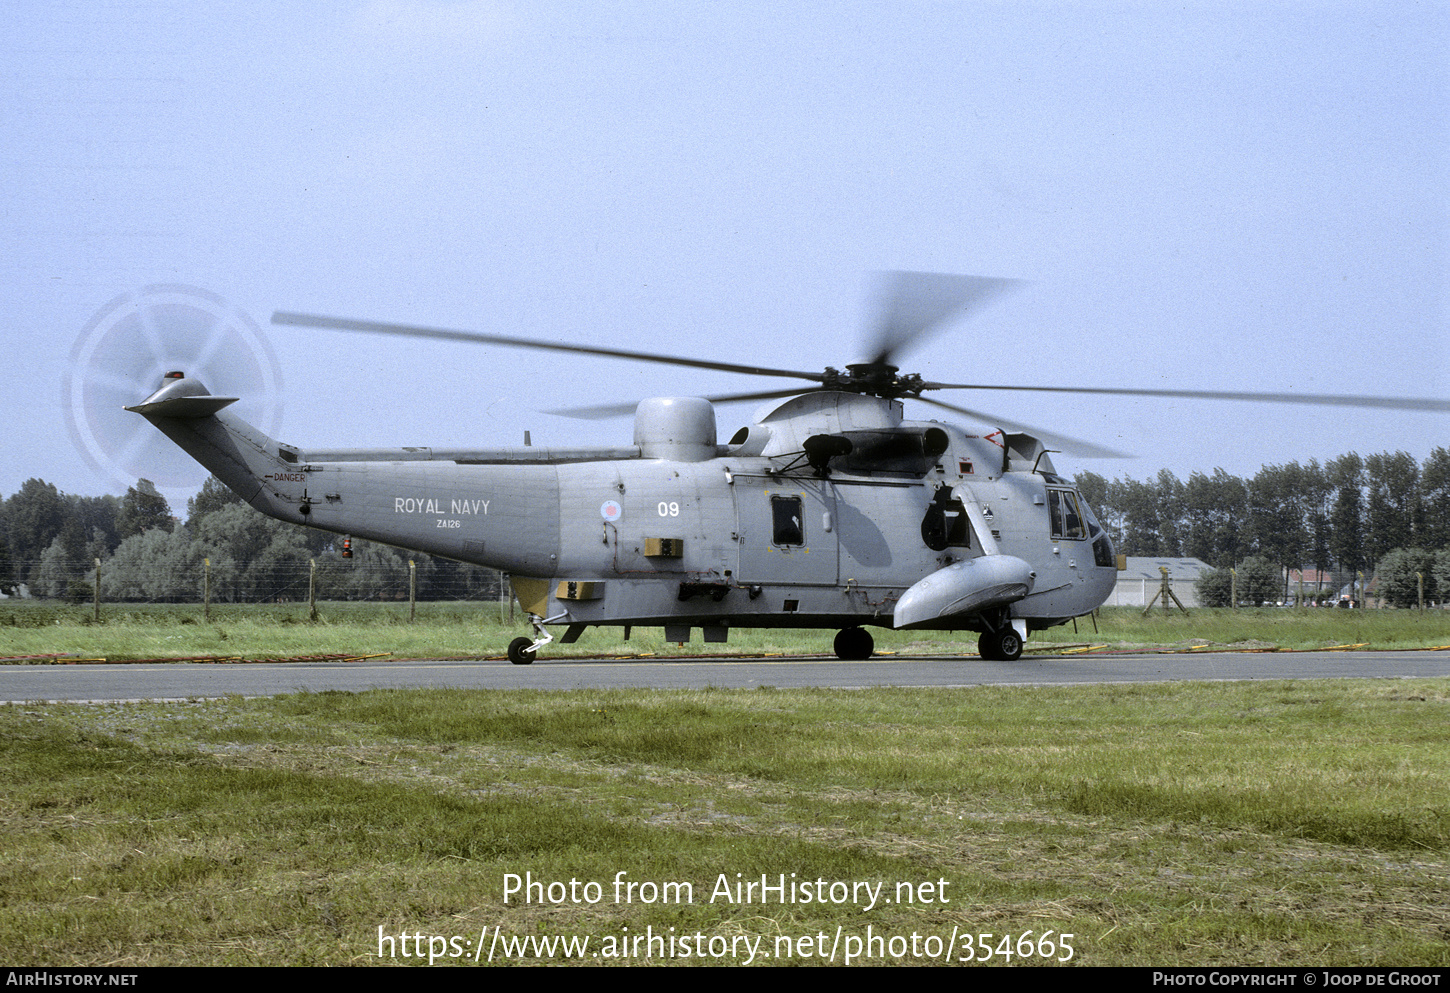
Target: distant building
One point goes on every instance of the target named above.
(1141, 580)
(1313, 579)
(1314, 583)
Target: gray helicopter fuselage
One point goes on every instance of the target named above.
(829, 511)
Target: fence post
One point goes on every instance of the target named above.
(97, 603)
(312, 589)
(206, 590)
(412, 591)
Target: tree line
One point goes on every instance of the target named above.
(49, 542)
(1382, 514)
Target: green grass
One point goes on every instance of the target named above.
(1286, 628)
(1297, 823)
(451, 630)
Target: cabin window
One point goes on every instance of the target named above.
(787, 518)
(1066, 517)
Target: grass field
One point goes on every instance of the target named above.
(1193, 824)
(452, 630)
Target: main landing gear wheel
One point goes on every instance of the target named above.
(520, 653)
(854, 644)
(1004, 645)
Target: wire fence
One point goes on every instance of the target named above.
(291, 579)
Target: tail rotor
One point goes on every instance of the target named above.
(127, 348)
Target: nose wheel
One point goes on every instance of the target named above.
(854, 644)
(523, 651)
(1002, 645)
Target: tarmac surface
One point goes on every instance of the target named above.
(184, 680)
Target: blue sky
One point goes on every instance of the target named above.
(1212, 196)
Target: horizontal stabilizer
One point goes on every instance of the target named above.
(181, 397)
(194, 406)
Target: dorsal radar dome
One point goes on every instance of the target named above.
(681, 429)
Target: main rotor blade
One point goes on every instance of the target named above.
(608, 410)
(911, 304)
(477, 337)
(1312, 399)
(1054, 441)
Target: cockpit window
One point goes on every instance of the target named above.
(1066, 517)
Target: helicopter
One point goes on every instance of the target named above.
(831, 510)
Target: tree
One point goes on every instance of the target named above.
(89, 531)
(255, 557)
(52, 575)
(1399, 573)
(1140, 510)
(1346, 519)
(155, 565)
(142, 508)
(280, 571)
(1258, 580)
(1215, 588)
(34, 517)
(214, 495)
(233, 537)
(1435, 500)
(1441, 569)
(1392, 504)
(1170, 512)
(7, 570)
(1318, 506)
(1214, 510)
(1276, 514)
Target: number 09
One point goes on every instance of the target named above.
(670, 509)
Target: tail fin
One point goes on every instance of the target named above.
(240, 455)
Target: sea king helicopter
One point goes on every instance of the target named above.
(831, 510)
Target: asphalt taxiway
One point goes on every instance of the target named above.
(172, 681)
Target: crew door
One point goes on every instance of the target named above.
(786, 531)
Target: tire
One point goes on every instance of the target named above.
(1008, 645)
(986, 648)
(854, 644)
(520, 653)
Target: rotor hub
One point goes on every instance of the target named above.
(877, 378)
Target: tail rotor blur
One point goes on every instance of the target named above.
(129, 345)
